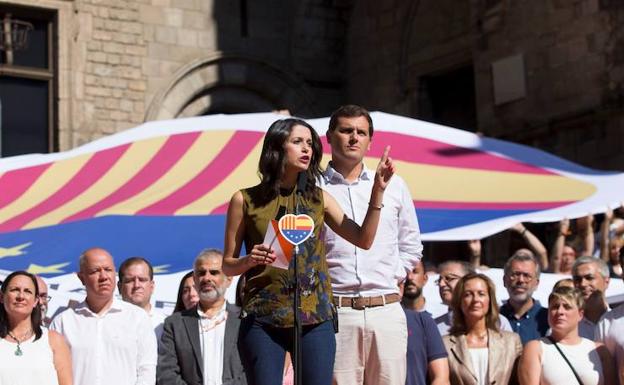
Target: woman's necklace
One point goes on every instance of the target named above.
(478, 339)
(18, 351)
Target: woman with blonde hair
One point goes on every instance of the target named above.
(564, 357)
(479, 352)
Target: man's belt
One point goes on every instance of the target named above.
(360, 303)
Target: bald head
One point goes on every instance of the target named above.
(43, 295)
(90, 254)
(97, 273)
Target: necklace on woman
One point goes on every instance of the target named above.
(18, 350)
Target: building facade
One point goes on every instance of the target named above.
(547, 73)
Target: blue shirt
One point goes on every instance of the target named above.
(424, 344)
(532, 325)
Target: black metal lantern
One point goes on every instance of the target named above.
(14, 33)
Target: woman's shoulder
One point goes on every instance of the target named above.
(509, 338)
(450, 339)
(249, 191)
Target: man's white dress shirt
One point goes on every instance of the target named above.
(610, 331)
(212, 336)
(117, 347)
(397, 245)
(158, 321)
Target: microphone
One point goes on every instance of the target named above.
(302, 181)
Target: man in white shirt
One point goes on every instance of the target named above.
(44, 298)
(136, 285)
(610, 331)
(199, 345)
(111, 341)
(591, 277)
(371, 344)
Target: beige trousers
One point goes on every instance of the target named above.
(371, 346)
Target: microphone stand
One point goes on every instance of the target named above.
(296, 354)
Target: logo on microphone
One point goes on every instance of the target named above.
(296, 228)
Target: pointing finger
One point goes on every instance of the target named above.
(384, 157)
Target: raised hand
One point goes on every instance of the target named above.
(385, 170)
(564, 226)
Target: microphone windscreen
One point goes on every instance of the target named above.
(302, 181)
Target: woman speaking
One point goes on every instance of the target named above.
(291, 147)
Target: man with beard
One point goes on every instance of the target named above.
(415, 280)
(591, 277)
(199, 345)
(426, 354)
(527, 317)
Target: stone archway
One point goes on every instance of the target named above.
(230, 83)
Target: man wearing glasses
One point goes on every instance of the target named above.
(526, 315)
(44, 299)
(449, 273)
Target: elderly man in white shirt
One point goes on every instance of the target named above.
(111, 341)
(371, 343)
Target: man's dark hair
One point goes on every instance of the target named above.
(133, 261)
(350, 111)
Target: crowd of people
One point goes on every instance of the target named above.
(359, 279)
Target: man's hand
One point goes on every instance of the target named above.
(385, 170)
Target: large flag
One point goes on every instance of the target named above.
(161, 190)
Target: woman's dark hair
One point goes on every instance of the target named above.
(271, 165)
(179, 306)
(35, 316)
(459, 320)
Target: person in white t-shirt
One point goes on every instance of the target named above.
(111, 341)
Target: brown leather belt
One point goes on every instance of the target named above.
(360, 303)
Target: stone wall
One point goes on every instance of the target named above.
(124, 62)
(571, 50)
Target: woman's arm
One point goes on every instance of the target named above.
(342, 225)
(530, 368)
(234, 232)
(62, 358)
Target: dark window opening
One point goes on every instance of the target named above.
(244, 29)
(449, 99)
(27, 83)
